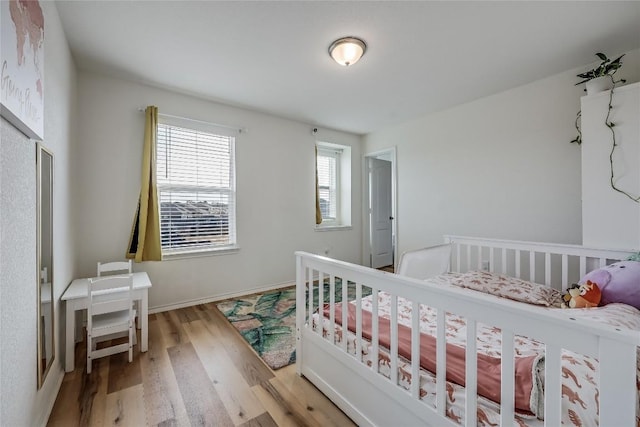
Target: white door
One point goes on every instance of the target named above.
(380, 213)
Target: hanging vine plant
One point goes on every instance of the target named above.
(605, 70)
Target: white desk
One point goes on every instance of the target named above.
(77, 297)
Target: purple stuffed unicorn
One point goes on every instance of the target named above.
(619, 282)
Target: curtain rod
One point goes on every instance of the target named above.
(171, 116)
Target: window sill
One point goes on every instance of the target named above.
(333, 227)
(200, 253)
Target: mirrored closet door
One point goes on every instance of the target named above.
(45, 345)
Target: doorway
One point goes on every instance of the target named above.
(380, 209)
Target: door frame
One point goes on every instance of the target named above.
(386, 154)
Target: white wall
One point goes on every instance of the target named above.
(18, 267)
(275, 192)
(21, 403)
(501, 166)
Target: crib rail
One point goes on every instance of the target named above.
(555, 265)
(615, 349)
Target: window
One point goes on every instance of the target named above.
(334, 185)
(328, 178)
(196, 186)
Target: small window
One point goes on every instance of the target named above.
(328, 184)
(196, 186)
(334, 186)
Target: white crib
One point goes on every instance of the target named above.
(370, 398)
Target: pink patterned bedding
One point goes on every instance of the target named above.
(488, 384)
(508, 287)
(579, 373)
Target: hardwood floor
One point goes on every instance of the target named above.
(198, 371)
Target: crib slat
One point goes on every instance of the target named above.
(517, 259)
(504, 261)
(320, 298)
(300, 314)
(345, 310)
(617, 386)
(394, 340)
(320, 289)
(359, 322)
(507, 380)
(374, 330)
(415, 349)
(311, 292)
(565, 272)
(458, 258)
(332, 308)
(491, 259)
(603, 262)
(553, 395)
(547, 268)
(468, 265)
(471, 374)
(583, 265)
(532, 266)
(479, 266)
(441, 363)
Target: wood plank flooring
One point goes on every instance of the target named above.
(388, 269)
(198, 372)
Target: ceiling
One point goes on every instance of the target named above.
(271, 56)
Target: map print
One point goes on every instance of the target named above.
(22, 93)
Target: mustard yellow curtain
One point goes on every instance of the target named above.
(318, 211)
(144, 242)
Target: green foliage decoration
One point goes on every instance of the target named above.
(606, 68)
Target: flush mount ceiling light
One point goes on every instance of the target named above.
(347, 50)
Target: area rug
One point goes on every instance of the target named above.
(267, 321)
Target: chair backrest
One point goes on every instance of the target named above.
(425, 263)
(114, 267)
(110, 294)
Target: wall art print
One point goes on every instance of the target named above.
(22, 86)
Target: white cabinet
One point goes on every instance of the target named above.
(610, 219)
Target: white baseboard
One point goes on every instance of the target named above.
(221, 297)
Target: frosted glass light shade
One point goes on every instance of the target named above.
(347, 50)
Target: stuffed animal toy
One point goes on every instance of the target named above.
(618, 282)
(586, 295)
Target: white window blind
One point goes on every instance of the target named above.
(196, 185)
(328, 183)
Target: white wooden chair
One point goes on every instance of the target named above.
(117, 267)
(110, 312)
(426, 262)
(114, 267)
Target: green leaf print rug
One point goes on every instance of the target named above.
(267, 321)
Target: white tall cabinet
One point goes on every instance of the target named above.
(610, 219)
